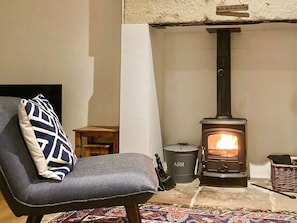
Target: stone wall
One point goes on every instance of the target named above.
(174, 12)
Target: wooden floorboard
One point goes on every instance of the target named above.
(6, 215)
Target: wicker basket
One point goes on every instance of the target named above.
(284, 177)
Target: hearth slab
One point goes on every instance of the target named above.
(250, 198)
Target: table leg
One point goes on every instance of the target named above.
(116, 143)
(78, 144)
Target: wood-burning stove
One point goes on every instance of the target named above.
(223, 137)
(224, 152)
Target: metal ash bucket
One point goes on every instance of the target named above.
(181, 160)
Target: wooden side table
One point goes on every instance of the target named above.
(107, 132)
(96, 149)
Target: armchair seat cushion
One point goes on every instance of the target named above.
(115, 176)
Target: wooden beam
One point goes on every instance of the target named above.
(233, 10)
(228, 8)
(236, 14)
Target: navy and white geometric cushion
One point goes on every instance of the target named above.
(46, 140)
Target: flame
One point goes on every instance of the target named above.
(223, 144)
(227, 142)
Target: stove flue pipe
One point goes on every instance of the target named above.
(223, 74)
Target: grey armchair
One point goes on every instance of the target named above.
(98, 181)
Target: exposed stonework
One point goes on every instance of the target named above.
(204, 11)
(250, 198)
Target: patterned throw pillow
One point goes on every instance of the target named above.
(46, 140)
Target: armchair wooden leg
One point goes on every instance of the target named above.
(133, 213)
(34, 219)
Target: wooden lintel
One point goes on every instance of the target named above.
(228, 8)
(236, 14)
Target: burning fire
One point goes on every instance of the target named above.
(223, 145)
(227, 142)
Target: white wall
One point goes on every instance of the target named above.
(139, 116)
(264, 83)
(264, 64)
(72, 42)
(44, 42)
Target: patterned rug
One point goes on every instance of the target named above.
(166, 214)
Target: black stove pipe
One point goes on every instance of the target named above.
(223, 74)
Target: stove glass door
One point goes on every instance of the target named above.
(223, 144)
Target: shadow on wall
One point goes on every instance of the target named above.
(105, 47)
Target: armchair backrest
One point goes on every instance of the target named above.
(17, 170)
